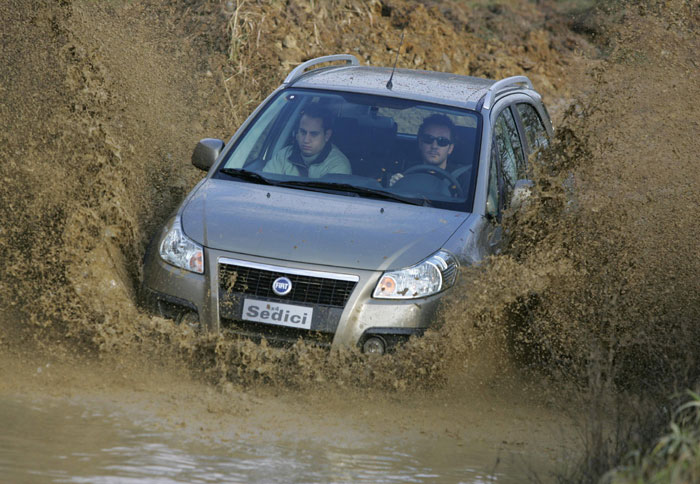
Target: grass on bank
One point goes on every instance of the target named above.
(674, 459)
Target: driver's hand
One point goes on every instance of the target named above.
(394, 178)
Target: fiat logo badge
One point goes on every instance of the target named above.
(282, 286)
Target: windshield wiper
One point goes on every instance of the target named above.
(254, 177)
(345, 187)
(246, 175)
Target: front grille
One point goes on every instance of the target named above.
(305, 289)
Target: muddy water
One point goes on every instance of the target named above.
(48, 441)
(63, 442)
(101, 105)
(98, 424)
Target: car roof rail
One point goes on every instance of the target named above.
(497, 87)
(301, 69)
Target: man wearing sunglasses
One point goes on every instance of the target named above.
(435, 142)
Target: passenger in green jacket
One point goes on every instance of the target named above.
(312, 155)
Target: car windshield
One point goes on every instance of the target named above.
(362, 145)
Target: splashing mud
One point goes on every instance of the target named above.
(98, 129)
(103, 101)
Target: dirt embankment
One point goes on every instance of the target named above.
(263, 41)
(102, 103)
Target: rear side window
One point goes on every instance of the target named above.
(535, 132)
(510, 150)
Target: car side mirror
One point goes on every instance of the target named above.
(522, 191)
(491, 208)
(206, 152)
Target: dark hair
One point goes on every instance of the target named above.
(438, 120)
(315, 110)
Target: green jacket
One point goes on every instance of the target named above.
(288, 161)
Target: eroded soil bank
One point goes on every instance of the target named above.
(102, 103)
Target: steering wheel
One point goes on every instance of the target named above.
(455, 188)
(461, 171)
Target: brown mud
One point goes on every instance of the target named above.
(102, 103)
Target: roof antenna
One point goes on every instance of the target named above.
(389, 84)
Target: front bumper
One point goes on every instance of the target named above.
(173, 292)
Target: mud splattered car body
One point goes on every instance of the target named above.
(351, 257)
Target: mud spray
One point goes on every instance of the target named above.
(102, 103)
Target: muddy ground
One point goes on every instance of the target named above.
(102, 103)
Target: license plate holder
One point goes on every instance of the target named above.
(279, 314)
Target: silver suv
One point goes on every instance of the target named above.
(341, 210)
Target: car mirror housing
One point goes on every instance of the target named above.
(206, 152)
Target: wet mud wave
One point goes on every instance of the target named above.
(102, 104)
(92, 116)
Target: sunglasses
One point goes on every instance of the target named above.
(441, 141)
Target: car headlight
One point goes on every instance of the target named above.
(434, 274)
(179, 250)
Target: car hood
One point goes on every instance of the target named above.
(314, 227)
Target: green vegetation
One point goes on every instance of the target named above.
(674, 459)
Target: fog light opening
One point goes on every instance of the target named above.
(190, 318)
(374, 346)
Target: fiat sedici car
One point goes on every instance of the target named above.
(342, 209)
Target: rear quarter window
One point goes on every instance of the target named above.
(535, 132)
